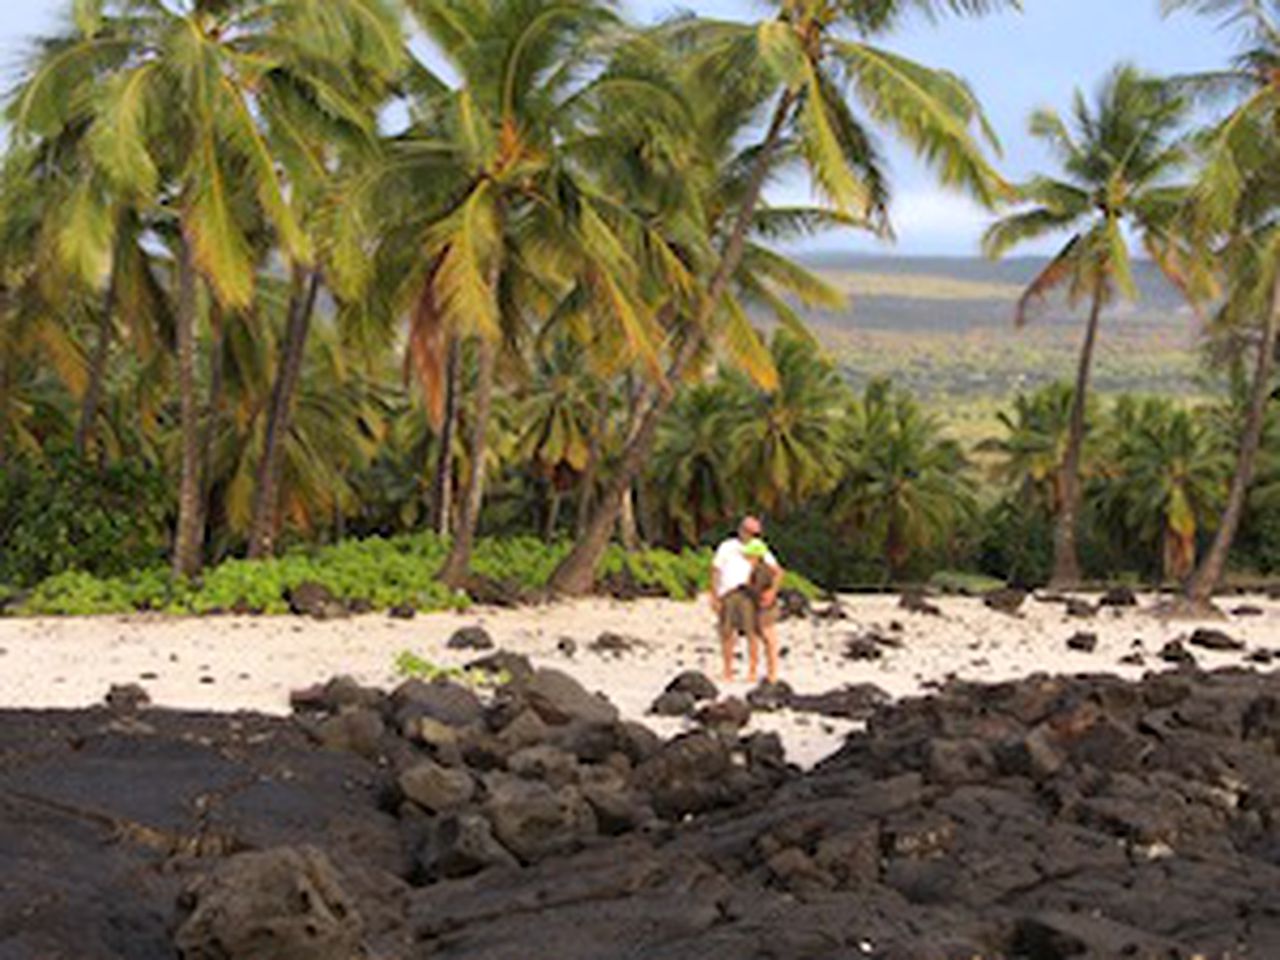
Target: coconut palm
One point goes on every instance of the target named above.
(1032, 449)
(795, 70)
(1167, 472)
(906, 486)
(491, 224)
(1234, 201)
(785, 443)
(189, 113)
(1118, 156)
(690, 479)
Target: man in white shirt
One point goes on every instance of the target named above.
(736, 609)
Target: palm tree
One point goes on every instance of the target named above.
(1117, 157)
(690, 478)
(1233, 203)
(906, 486)
(191, 123)
(785, 443)
(1033, 447)
(795, 70)
(1167, 472)
(492, 222)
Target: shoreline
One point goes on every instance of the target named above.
(232, 663)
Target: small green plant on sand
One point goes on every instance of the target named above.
(413, 667)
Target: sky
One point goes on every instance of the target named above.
(1015, 62)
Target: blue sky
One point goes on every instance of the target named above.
(1015, 62)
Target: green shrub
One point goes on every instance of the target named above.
(65, 515)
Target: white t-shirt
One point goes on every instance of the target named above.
(733, 568)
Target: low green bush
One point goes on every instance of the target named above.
(63, 514)
(383, 572)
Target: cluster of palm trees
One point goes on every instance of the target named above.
(229, 227)
(212, 241)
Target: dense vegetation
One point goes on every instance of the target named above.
(246, 311)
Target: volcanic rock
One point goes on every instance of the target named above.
(470, 638)
(853, 702)
(862, 648)
(613, 644)
(914, 601)
(440, 699)
(310, 599)
(515, 666)
(694, 683)
(769, 696)
(1007, 601)
(558, 699)
(1209, 639)
(793, 605)
(1083, 642)
(403, 611)
(673, 703)
(534, 821)
(1080, 609)
(281, 904)
(436, 788)
(127, 698)
(1119, 597)
(729, 715)
(462, 845)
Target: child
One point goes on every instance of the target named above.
(763, 587)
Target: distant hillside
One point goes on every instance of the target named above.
(943, 327)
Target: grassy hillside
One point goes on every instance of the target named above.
(943, 327)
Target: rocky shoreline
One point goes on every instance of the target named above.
(1044, 818)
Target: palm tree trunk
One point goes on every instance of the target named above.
(1066, 555)
(188, 538)
(575, 575)
(628, 531)
(442, 483)
(212, 408)
(266, 504)
(457, 567)
(1213, 568)
(97, 372)
(553, 514)
(587, 485)
(5, 412)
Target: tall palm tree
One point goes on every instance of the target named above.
(197, 107)
(492, 222)
(1118, 157)
(1234, 200)
(795, 69)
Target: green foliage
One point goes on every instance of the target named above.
(382, 572)
(63, 514)
(411, 666)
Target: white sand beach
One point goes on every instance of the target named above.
(240, 663)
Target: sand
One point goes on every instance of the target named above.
(230, 664)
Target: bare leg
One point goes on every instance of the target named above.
(770, 632)
(728, 641)
(753, 656)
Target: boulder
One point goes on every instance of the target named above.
(127, 698)
(1007, 601)
(280, 904)
(359, 731)
(695, 683)
(403, 611)
(768, 697)
(854, 702)
(553, 766)
(311, 599)
(613, 644)
(793, 605)
(1119, 597)
(516, 666)
(535, 821)
(461, 845)
(440, 699)
(558, 699)
(914, 601)
(1080, 609)
(673, 703)
(1209, 639)
(727, 716)
(1175, 652)
(471, 638)
(1083, 642)
(435, 788)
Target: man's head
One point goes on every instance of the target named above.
(750, 528)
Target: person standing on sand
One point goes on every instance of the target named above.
(763, 585)
(731, 599)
